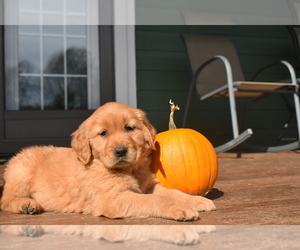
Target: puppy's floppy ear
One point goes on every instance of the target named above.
(81, 145)
(148, 130)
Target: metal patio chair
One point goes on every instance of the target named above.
(217, 72)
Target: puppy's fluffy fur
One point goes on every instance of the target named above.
(105, 173)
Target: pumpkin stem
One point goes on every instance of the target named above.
(171, 121)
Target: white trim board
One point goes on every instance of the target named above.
(125, 62)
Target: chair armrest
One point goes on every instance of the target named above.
(228, 69)
(285, 63)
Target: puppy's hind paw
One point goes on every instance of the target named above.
(29, 210)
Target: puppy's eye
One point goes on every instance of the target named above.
(129, 128)
(104, 133)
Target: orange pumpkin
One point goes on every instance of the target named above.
(185, 160)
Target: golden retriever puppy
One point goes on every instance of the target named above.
(106, 172)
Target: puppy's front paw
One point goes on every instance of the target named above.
(201, 204)
(183, 213)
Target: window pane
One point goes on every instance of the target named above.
(76, 56)
(29, 18)
(77, 93)
(76, 20)
(53, 29)
(29, 5)
(54, 20)
(29, 56)
(76, 6)
(53, 55)
(33, 29)
(54, 97)
(29, 93)
(76, 30)
(53, 5)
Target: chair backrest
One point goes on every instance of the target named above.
(295, 34)
(200, 49)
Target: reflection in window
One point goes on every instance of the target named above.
(77, 93)
(76, 57)
(29, 55)
(54, 97)
(29, 92)
(53, 55)
(49, 70)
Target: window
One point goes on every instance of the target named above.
(48, 87)
(53, 66)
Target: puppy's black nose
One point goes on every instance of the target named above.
(120, 151)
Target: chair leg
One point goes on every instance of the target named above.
(285, 147)
(297, 110)
(234, 142)
(242, 114)
(231, 90)
(234, 121)
(237, 137)
(286, 125)
(292, 115)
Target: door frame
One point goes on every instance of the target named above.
(125, 55)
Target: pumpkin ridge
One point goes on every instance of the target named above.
(214, 173)
(191, 188)
(209, 154)
(204, 154)
(182, 149)
(192, 139)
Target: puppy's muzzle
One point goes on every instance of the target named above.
(121, 151)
